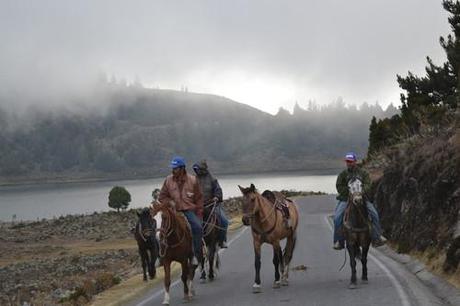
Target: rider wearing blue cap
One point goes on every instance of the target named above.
(354, 171)
(183, 192)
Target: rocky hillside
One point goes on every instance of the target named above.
(417, 192)
(414, 158)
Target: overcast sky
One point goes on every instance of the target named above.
(264, 53)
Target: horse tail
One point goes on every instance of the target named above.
(290, 247)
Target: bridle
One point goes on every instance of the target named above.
(251, 216)
(168, 227)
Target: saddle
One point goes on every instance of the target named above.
(280, 202)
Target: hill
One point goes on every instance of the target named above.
(130, 131)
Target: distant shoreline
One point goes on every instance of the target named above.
(4, 183)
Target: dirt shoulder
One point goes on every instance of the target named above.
(70, 260)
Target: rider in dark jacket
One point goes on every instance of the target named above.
(212, 193)
(353, 171)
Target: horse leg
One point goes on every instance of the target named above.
(150, 263)
(144, 258)
(276, 261)
(211, 255)
(191, 275)
(288, 253)
(351, 251)
(256, 288)
(167, 280)
(203, 269)
(364, 263)
(154, 257)
(185, 280)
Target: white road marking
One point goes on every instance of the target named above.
(148, 299)
(402, 294)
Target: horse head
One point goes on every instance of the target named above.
(146, 223)
(250, 207)
(355, 191)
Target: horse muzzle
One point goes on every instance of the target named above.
(246, 220)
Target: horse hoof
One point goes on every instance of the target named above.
(165, 303)
(365, 281)
(186, 299)
(352, 286)
(202, 280)
(284, 282)
(256, 288)
(276, 285)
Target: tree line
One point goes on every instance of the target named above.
(429, 102)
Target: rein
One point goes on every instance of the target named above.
(261, 232)
(167, 229)
(210, 222)
(358, 229)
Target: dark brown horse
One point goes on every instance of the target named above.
(356, 229)
(175, 245)
(211, 238)
(145, 235)
(268, 227)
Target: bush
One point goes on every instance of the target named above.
(119, 197)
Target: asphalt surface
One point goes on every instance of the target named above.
(320, 284)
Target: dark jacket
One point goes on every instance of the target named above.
(210, 188)
(345, 176)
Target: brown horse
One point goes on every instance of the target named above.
(356, 230)
(267, 227)
(175, 245)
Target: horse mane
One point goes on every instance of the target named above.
(357, 215)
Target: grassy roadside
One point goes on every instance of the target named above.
(134, 287)
(433, 261)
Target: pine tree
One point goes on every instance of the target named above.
(440, 86)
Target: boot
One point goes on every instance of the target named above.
(338, 245)
(379, 242)
(195, 261)
(223, 244)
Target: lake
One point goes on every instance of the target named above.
(29, 202)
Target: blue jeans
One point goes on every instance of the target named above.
(338, 220)
(197, 232)
(223, 223)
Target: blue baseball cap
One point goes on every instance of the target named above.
(350, 156)
(177, 162)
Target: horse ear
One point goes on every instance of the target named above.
(241, 189)
(252, 188)
(138, 213)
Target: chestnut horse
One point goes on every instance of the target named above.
(175, 245)
(267, 227)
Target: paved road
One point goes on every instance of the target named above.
(321, 284)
